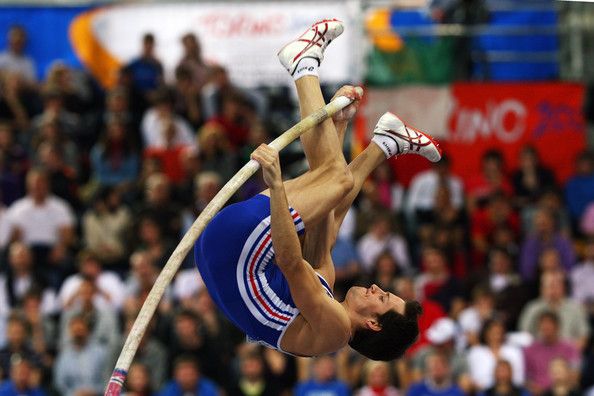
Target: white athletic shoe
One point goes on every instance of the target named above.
(310, 44)
(408, 140)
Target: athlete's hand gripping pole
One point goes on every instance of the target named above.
(120, 372)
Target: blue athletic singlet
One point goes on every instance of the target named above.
(235, 257)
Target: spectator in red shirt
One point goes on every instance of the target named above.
(498, 213)
(491, 179)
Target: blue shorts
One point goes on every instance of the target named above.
(235, 257)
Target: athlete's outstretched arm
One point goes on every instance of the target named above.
(306, 290)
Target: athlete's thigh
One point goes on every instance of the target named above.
(313, 195)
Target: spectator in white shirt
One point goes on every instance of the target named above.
(14, 59)
(424, 186)
(482, 358)
(45, 223)
(380, 239)
(582, 276)
(110, 289)
(161, 128)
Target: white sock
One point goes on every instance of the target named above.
(387, 144)
(306, 67)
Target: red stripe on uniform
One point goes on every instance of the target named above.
(253, 282)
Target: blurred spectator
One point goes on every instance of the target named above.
(13, 166)
(188, 101)
(587, 221)
(190, 338)
(151, 239)
(442, 336)
(159, 206)
(385, 270)
(138, 381)
(146, 70)
(546, 235)
(252, 381)
(472, 318)
(579, 189)
(504, 385)
(110, 289)
(52, 131)
(62, 177)
(235, 117)
(422, 192)
(218, 83)
(21, 381)
(117, 108)
(432, 311)
(19, 102)
(46, 223)
(106, 228)
(21, 278)
(161, 128)
(101, 323)
(206, 186)
(492, 179)
(496, 213)
(191, 166)
(43, 336)
(79, 364)
(435, 282)
(531, 179)
(188, 379)
(193, 62)
(54, 113)
(544, 350)
(216, 153)
(574, 325)
(552, 201)
(18, 336)
(74, 92)
(323, 380)
(151, 355)
(390, 193)
(114, 159)
(509, 291)
(445, 227)
(562, 382)
(187, 285)
(437, 379)
(13, 59)
(582, 276)
(379, 239)
(482, 358)
(139, 282)
(377, 381)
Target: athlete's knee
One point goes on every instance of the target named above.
(341, 176)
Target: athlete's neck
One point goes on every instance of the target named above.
(352, 318)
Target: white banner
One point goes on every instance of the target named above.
(424, 107)
(243, 37)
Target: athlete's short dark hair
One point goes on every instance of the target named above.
(398, 332)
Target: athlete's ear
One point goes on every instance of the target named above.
(373, 325)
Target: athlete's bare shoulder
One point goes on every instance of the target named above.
(328, 334)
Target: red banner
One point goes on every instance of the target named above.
(508, 116)
(468, 119)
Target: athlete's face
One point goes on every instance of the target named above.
(373, 301)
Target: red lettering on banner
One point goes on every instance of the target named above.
(228, 25)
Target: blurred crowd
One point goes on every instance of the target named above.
(98, 186)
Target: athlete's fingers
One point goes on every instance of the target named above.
(351, 92)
